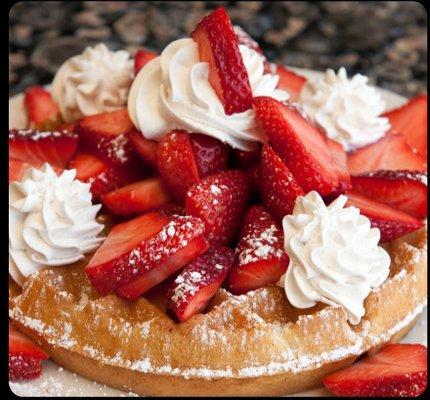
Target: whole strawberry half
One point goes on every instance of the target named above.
(219, 200)
(398, 370)
(191, 291)
(218, 46)
(261, 257)
(403, 190)
(300, 145)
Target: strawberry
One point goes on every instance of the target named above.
(392, 223)
(172, 209)
(18, 168)
(106, 136)
(146, 149)
(37, 147)
(219, 200)
(253, 175)
(391, 152)
(191, 291)
(136, 198)
(140, 253)
(218, 46)
(299, 144)
(69, 126)
(403, 190)
(25, 356)
(339, 157)
(398, 370)
(290, 81)
(103, 177)
(43, 112)
(410, 120)
(141, 58)
(261, 258)
(245, 159)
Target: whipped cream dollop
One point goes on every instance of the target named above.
(51, 221)
(334, 256)
(172, 91)
(349, 110)
(96, 81)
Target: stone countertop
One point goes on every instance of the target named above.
(385, 40)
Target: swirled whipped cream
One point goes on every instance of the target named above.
(51, 221)
(334, 256)
(173, 92)
(349, 110)
(96, 81)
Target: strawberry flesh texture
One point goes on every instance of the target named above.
(410, 120)
(392, 223)
(300, 145)
(396, 370)
(41, 108)
(290, 82)
(141, 58)
(140, 253)
(32, 146)
(261, 258)
(402, 190)
(106, 136)
(279, 189)
(136, 198)
(146, 149)
(340, 158)
(218, 46)
(191, 291)
(219, 200)
(24, 367)
(392, 152)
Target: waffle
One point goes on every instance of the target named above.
(252, 344)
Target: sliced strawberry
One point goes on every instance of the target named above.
(172, 209)
(140, 253)
(279, 189)
(254, 177)
(18, 168)
(403, 190)
(176, 163)
(141, 58)
(299, 144)
(191, 291)
(410, 120)
(43, 112)
(106, 135)
(339, 157)
(24, 367)
(136, 198)
(211, 154)
(391, 152)
(391, 222)
(290, 81)
(19, 344)
(103, 177)
(69, 126)
(398, 370)
(218, 46)
(53, 147)
(146, 149)
(219, 200)
(261, 258)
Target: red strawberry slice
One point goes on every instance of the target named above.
(279, 189)
(340, 157)
(218, 46)
(403, 190)
(19, 344)
(141, 58)
(191, 291)
(69, 126)
(391, 152)
(140, 253)
(136, 198)
(18, 168)
(24, 367)
(106, 136)
(261, 258)
(398, 370)
(146, 149)
(43, 112)
(103, 177)
(219, 200)
(299, 144)
(410, 120)
(211, 155)
(391, 222)
(290, 81)
(32, 146)
(253, 175)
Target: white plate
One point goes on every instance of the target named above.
(58, 382)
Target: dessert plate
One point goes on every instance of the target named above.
(55, 381)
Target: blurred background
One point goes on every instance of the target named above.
(385, 40)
